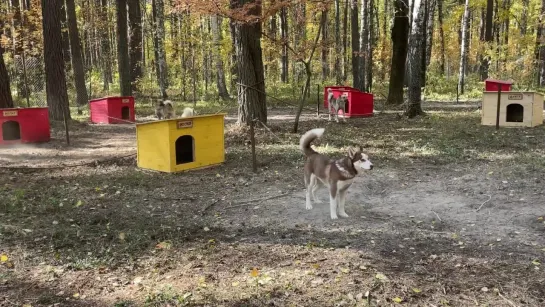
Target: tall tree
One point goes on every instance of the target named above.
(337, 50)
(540, 49)
(252, 102)
(400, 35)
(441, 36)
(6, 100)
(77, 56)
(65, 36)
(158, 7)
(123, 63)
(364, 44)
(429, 30)
(284, 36)
(105, 44)
(356, 55)
(524, 17)
(220, 72)
(55, 78)
(135, 42)
(415, 59)
(325, 50)
(345, 41)
(464, 48)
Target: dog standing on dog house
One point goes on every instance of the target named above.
(337, 175)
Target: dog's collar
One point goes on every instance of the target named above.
(347, 169)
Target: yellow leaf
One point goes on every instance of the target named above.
(381, 276)
(121, 236)
(4, 258)
(316, 266)
(543, 249)
(235, 284)
(76, 295)
(454, 236)
(346, 271)
(397, 300)
(540, 218)
(254, 272)
(218, 175)
(536, 262)
(78, 204)
(163, 245)
(27, 305)
(416, 290)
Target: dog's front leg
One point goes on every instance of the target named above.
(333, 197)
(342, 198)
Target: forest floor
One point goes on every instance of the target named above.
(451, 215)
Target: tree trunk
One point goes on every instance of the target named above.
(57, 97)
(464, 48)
(356, 58)
(284, 36)
(77, 59)
(337, 51)
(65, 36)
(371, 46)
(541, 47)
(415, 60)
(123, 64)
(325, 50)
(429, 31)
(105, 45)
(345, 42)
(364, 44)
(220, 73)
(441, 36)
(524, 17)
(488, 38)
(251, 91)
(400, 35)
(159, 38)
(6, 100)
(135, 41)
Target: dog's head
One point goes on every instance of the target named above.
(361, 161)
(159, 103)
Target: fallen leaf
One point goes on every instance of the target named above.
(536, 262)
(121, 236)
(4, 258)
(397, 300)
(416, 290)
(78, 204)
(346, 271)
(163, 245)
(381, 276)
(206, 229)
(316, 266)
(235, 284)
(76, 295)
(55, 222)
(137, 280)
(455, 236)
(484, 289)
(27, 305)
(218, 175)
(254, 272)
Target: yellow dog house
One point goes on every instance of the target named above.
(517, 109)
(180, 144)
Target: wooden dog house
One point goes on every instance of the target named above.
(517, 109)
(24, 125)
(360, 104)
(181, 144)
(112, 110)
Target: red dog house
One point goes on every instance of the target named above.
(491, 85)
(112, 110)
(359, 104)
(24, 125)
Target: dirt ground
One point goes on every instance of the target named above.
(451, 215)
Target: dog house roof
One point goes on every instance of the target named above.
(499, 81)
(179, 118)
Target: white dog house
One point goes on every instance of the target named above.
(517, 109)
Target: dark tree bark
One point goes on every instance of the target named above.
(441, 36)
(464, 48)
(6, 100)
(77, 56)
(488, 38)
(105, 45)
(364, 45)
(540, 50)
(415, 60)
(123, 64)
(136, 44)
(371, 46)
(337, 50)
(220, 73)
(325, 50)
(284, 36)
(400, 35)
(357, 81)
(65, 36)
(252, 102)
(159, 44)
(345, 41)
(429, 30)
(57, 97)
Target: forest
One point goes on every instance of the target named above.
(403, 51)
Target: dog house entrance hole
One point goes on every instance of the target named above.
(515, 113)
(11, 131)
(125, 113)
(185, 146)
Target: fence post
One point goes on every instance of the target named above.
(318, 100)
(252, 140)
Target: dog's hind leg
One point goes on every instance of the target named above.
(308, 185)
(342, 199)
(315, 185)
(333, 198)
